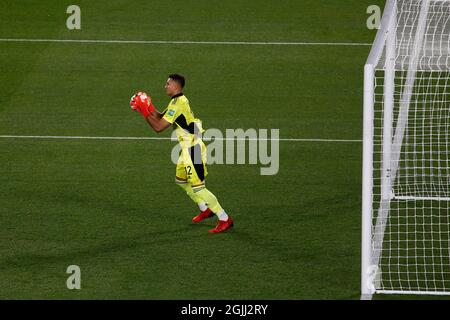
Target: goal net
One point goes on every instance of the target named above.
(406, 157)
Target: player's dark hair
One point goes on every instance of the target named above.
(178, 78)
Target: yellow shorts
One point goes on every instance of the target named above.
(191, 165)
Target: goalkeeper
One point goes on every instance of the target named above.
(191, 166)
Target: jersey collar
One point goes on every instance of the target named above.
(177, 95)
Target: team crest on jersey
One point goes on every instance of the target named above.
(171, 112)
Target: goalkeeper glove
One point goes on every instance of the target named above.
(142, 103)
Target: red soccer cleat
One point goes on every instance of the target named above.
(203, 215)
(222, 226)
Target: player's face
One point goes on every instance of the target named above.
(172, 87)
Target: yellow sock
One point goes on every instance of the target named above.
(198, 200)
(208, 197)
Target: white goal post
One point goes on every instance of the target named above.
(406, 152)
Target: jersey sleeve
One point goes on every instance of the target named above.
(172, 112)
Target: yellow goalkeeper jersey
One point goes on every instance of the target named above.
(187, 127)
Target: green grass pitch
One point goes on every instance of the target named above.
(112, 207)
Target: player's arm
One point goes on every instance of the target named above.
(157, 114)
(157, 122)
(143, 104)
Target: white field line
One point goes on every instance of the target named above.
(168, 138)
(180, 42)
(259, 43)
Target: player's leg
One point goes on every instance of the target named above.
(225, 221)
(182, 181)
(196, 177)
(207, 196)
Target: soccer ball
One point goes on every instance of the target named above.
(140, 99)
